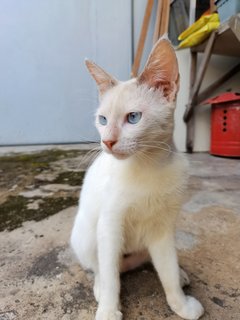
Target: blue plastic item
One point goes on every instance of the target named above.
(227, 8)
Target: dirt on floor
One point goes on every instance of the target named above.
(39, 277)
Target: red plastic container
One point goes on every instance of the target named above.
(225, 125)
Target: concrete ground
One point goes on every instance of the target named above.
(40, 279)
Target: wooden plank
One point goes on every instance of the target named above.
(141, 42)
(190, 123)
(158, 21)
(199, 77)
(227, 37)
(228, 33)
(193, 71)
(234, 24)
(203, 65)
(210, 89)
(164, 18)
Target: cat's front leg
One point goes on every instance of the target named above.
(164, 258)
(109, 235)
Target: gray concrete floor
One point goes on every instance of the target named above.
(39, 278)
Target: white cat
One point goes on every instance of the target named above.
(133, 191)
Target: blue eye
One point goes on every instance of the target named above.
(102, 120)
(134, 117)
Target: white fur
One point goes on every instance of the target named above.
(126, 208)
(131, 197)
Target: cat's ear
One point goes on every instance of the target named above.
(161, 69)
(104, 80)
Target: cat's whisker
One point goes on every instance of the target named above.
(145, 157)
(165, 156)
(156, 146)
(90, 156)
(155, 140)
(151, 146)
(92, 151)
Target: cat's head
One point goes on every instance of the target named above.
(136, 117)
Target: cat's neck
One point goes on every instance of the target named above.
(153, 158)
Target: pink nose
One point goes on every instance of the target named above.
(109, 143)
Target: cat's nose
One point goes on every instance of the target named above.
(109, 143)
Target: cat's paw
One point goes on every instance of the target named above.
(184, 279)
(191, 310)
(106, 314)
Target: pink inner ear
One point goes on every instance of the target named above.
(161, 70)
(104, 80)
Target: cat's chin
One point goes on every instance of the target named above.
(119, 156)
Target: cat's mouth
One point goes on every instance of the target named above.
(117, 151)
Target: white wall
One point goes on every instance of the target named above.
(46, 93)
(182, 99)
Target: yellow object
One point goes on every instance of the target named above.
(199, 30)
